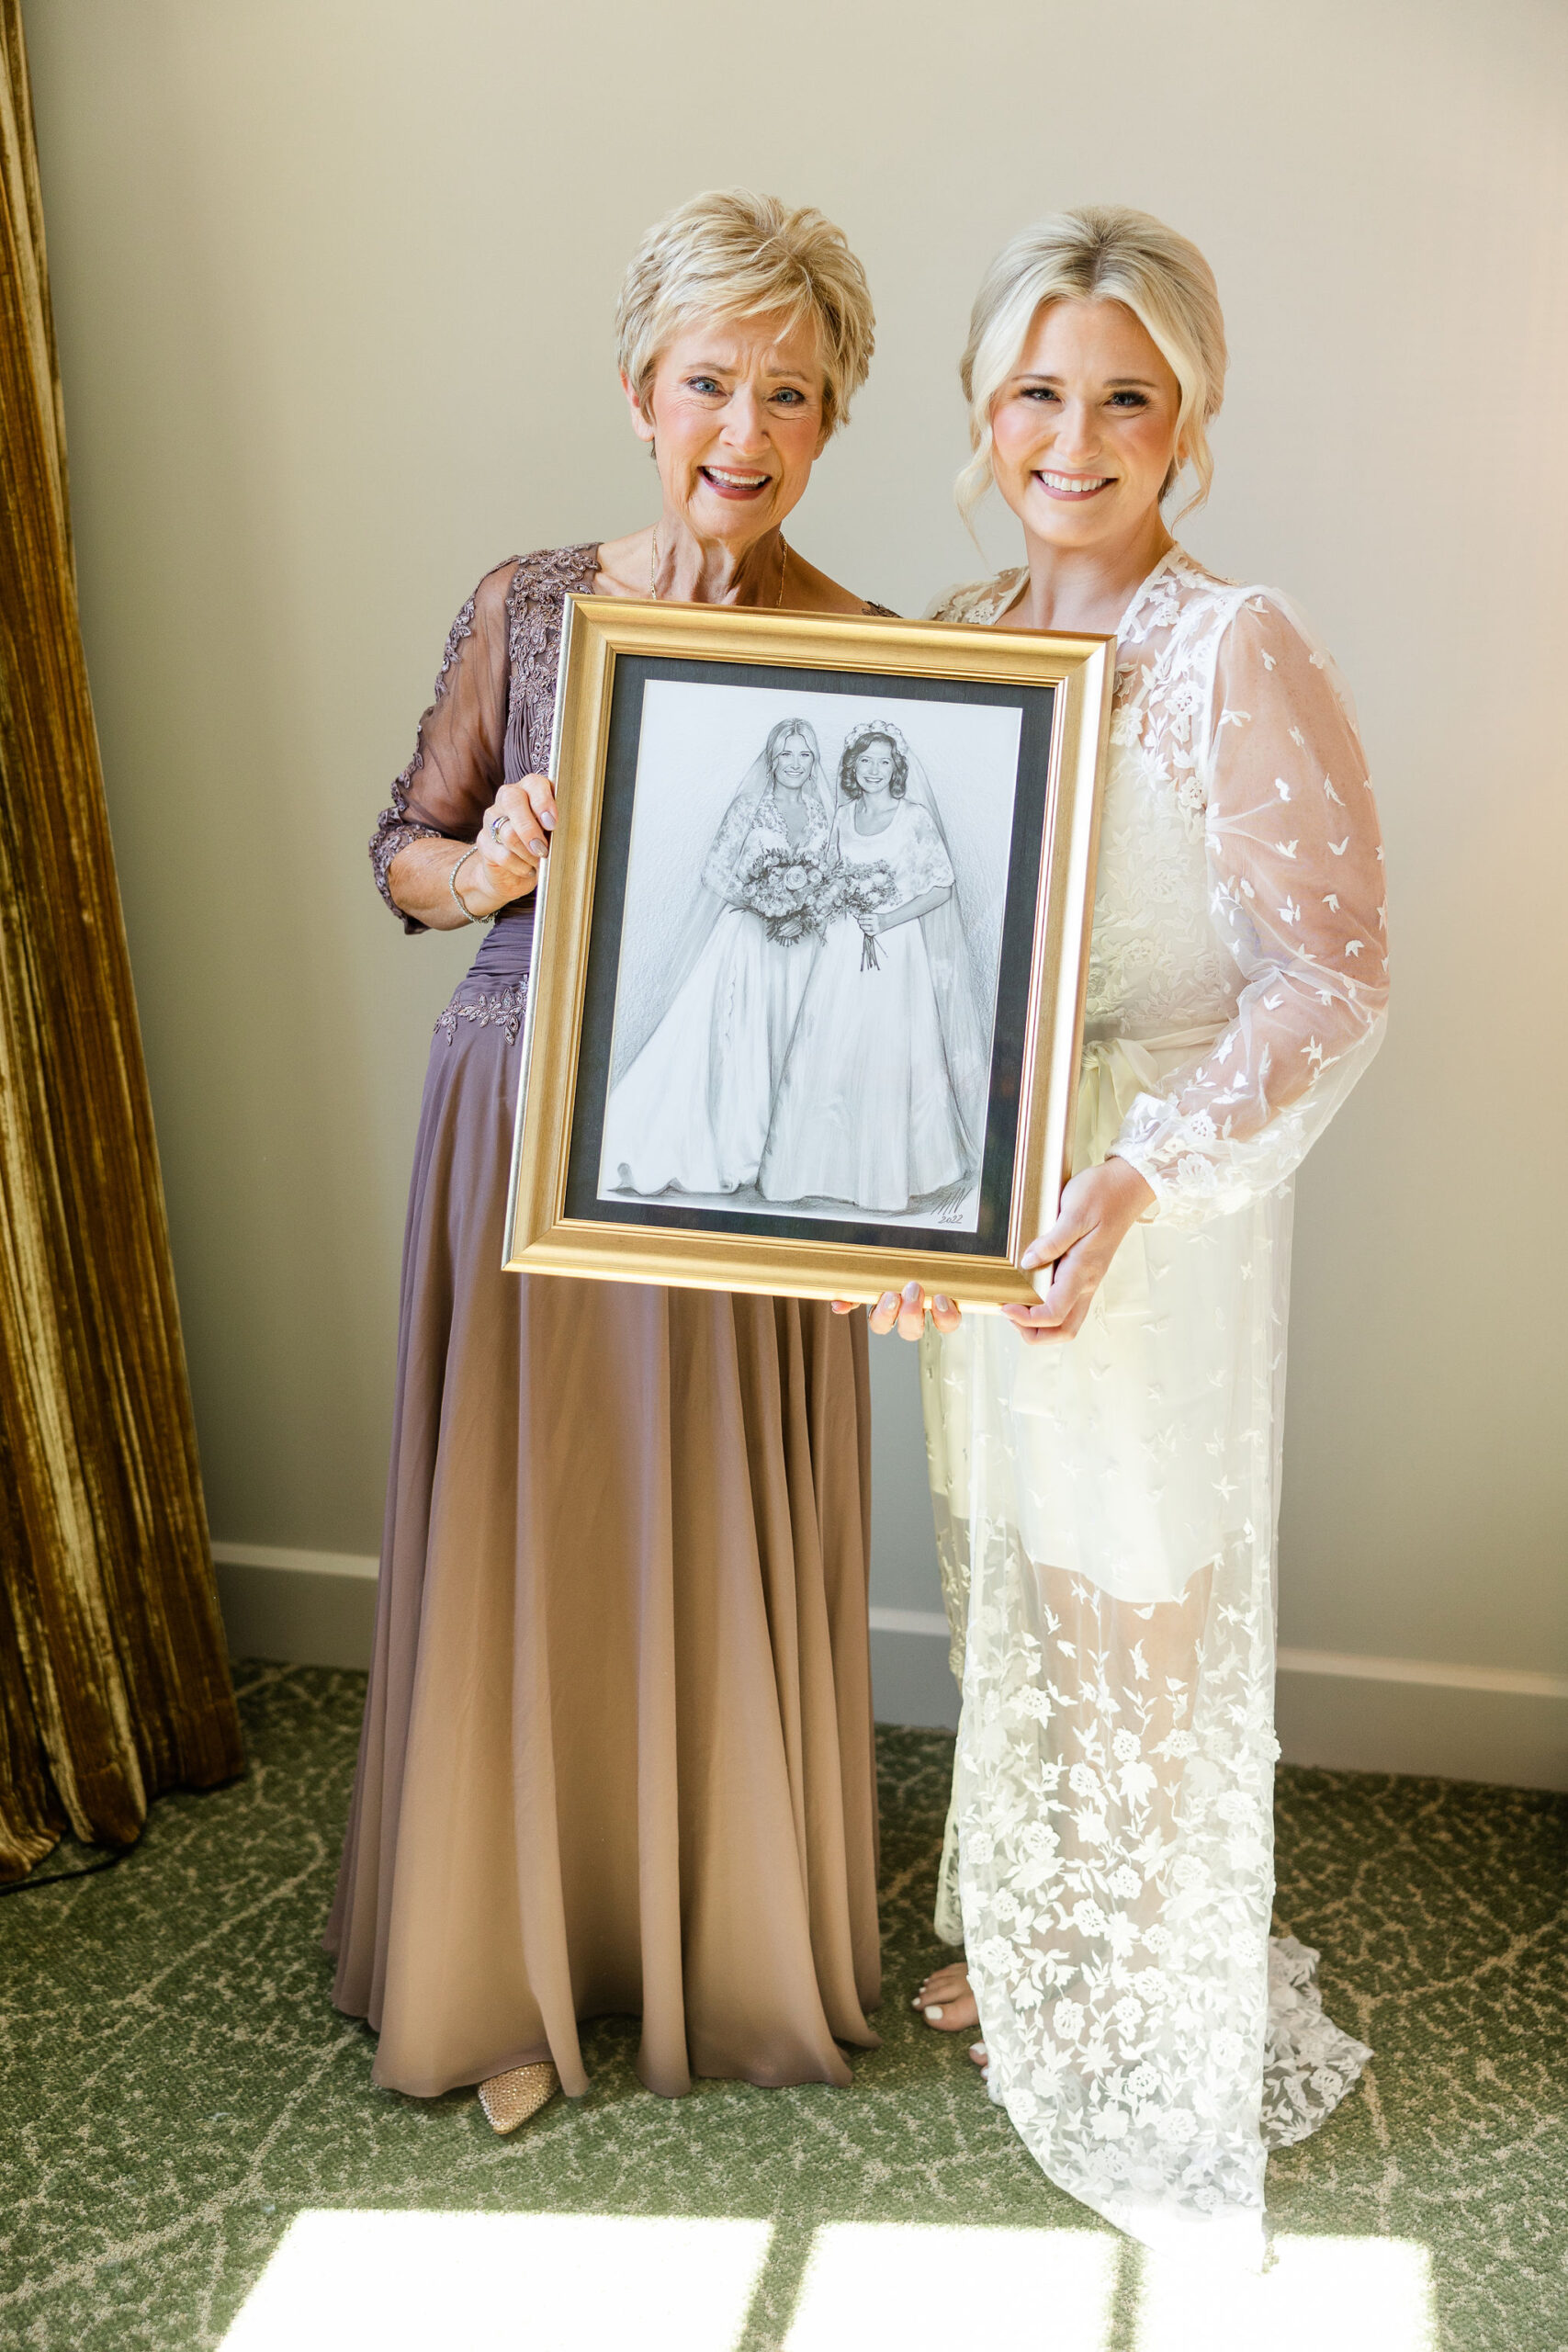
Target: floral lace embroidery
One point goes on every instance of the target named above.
(501, 1009)
(1106, 1512)
(749, 827)
(1252, 916)
(535, 595)
(1160, 686)
(535, 602)
(1308, 2064)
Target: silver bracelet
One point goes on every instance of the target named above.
(465, 912)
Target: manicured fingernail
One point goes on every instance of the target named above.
(934, 2014)
(547, 821)
(888, 1298)
(941, 1303)
(536, 849)
(911, 1292)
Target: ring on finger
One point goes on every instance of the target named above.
(495, 825)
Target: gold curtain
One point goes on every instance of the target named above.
(114, 1682)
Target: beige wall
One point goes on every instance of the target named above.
(333, 280)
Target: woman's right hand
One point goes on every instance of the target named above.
(513, 842)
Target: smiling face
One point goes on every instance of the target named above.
(874, 765)
(792, 762)
(735, 412)
(1085, 427)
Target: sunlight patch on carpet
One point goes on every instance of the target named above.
(891, 2282)
(1356, 2294)
(557, 2282)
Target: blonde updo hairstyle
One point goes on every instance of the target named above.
(1100, 253)
(731, 254)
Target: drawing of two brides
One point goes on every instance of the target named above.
(833, 1055)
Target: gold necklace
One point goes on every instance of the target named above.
(653, 568)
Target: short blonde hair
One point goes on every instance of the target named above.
(731, 255)
(1100, 253)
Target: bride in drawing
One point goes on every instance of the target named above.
(690, 1114)
(882, 1097)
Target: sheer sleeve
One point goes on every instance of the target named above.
(725, 860)
(1296, 880)
(921, 863)
(456, 768)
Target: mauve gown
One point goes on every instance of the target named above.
(617, 1746)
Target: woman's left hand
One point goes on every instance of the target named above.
(1099, 1207)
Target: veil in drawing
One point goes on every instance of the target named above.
(965, 1034)
(720, 882)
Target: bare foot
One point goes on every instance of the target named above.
(945, 2001)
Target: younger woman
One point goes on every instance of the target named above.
(1105, 1463)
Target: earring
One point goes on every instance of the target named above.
(653, 448)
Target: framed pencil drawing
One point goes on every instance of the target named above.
(806, 1005)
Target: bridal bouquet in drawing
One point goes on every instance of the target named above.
(797, 896)
(864, 889)
(790, 889)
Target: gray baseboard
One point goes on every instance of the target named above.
(307, 1609)
(319, 1608)
(911, 1682)
(1351, 1714)
(1518, 1738)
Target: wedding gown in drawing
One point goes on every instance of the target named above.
(881, 1099)
(691, 1111)
(1107, 1508)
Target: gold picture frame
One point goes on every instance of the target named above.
(563, 1217)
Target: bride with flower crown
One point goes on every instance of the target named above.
(881, 1103)
(690, 1112)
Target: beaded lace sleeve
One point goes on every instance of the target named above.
(456, 766)
(1296, 893)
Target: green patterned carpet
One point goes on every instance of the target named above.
(175, 2087)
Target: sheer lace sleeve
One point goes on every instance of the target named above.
(1296, 880)
(725, 860)
(456, 767)
(922, 862)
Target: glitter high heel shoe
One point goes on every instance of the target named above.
(511, 2099)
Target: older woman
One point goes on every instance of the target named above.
(1106, 1468)
(618, 1744)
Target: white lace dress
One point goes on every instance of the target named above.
(691, 1113)
(865, 1110)
(1106, 1507)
